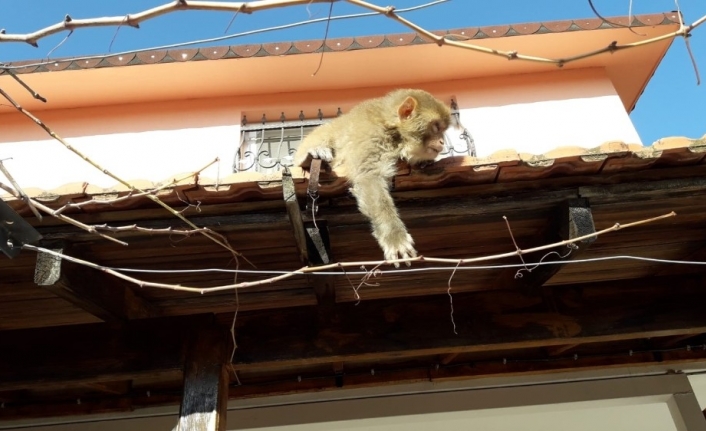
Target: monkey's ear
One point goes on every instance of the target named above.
(407, 107)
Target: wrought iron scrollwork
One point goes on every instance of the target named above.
(269, 147)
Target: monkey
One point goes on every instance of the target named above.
(367, 142)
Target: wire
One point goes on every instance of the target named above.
(221, 38)
(406, 271)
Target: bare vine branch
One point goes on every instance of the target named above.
(311, 269)
(131, 194)
(62, 217)
(134, 20)
(514, 55)
(208, 233)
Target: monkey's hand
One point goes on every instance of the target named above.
(397, 245)
(305, 155)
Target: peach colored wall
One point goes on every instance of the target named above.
(530, 113)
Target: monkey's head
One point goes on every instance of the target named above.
(422, 121)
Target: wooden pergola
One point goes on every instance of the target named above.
(75, 340)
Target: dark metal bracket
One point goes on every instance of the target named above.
(14, 231)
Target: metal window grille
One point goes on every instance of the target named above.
(268, 147)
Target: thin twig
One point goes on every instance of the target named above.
(19, 190)
(323, 45)
(135, 19)
(311, 269)
(688, 45)
(509, 230)
(51, 51)
(514, 55)
(451, 298)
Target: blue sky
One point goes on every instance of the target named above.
(672, 104)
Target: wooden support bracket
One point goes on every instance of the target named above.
(94, 292)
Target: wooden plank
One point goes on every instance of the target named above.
(204, 406)
(101, 295)
(485, 321)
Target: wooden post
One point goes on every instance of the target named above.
(205, 401)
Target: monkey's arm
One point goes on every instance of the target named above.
(372, 193)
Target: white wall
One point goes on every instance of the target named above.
(143, 142)
(536, 114)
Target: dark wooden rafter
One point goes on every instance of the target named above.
(204, 405)
(295, 216)
(573, 220)
(311, 237)
(99, 294)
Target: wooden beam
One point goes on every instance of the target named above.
(97, 293)
(574, 219)
(485, 321)
(295, 216)
(204, 406)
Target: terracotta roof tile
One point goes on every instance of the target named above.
(215, 53)
(496, 30)
(120, 60)
(151, 56)
(370, 41)
(341, 44)
(308, 45)
(529, 28)
(401, 38)
(558, 26)
(279, 48)
(182, 54)
(246, 50)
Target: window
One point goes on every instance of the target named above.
(268, 147)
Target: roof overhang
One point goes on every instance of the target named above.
(378, 61)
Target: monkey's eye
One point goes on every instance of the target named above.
(435, 127)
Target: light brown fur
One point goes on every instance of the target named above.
(368, 141)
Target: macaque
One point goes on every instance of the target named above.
(367, 142)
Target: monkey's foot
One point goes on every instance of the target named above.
(400, 246)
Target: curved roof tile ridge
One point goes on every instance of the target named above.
(338, 44)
